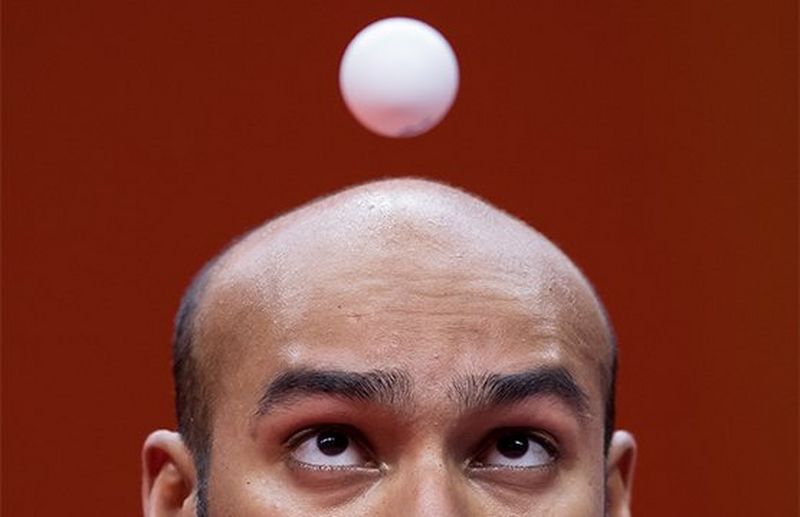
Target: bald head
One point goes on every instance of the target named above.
(406, 260)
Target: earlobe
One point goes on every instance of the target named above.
(168, 476)
(619, 476)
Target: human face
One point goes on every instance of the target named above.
(377, 394)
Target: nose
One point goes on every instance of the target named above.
(427, 488)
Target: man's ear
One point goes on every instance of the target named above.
(169, 478)
(619, 476)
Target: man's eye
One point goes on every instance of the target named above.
(517, 449)
(329, 447)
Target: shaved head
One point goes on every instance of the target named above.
(396, 263)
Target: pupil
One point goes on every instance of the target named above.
(513, 446)
(332, 443)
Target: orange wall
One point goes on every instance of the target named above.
(656, 142)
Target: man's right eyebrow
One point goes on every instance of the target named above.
(388, 387)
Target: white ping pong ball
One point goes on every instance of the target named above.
(399, 77)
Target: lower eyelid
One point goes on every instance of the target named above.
(493, 466)
(507, 468)
(356, 440)
(523, 479)
(322, 467)
(367, 466)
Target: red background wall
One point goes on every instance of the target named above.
(656, 142)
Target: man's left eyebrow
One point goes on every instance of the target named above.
(476, 392)
(387, 387)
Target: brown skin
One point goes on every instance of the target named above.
(408, 276)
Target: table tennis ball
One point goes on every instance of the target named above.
(399, 77)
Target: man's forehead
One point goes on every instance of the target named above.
(394, 227)
(386, 246)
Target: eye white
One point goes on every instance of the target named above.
(329, 448)
(517, 450)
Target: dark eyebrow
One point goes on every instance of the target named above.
(388, 387)
(475, 392)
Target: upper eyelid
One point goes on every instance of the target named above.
(298, 437)
(353, 433)
(550, 443)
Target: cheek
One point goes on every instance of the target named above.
(271, 493)
(585, 497)
(275, 497)
(245, 480)
(584, 494)
(571, 494)
(232, 492)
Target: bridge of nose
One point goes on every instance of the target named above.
(428, 481)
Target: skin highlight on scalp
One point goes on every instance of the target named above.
(394, 241)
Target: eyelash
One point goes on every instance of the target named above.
(545, 440)
(295, 440)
